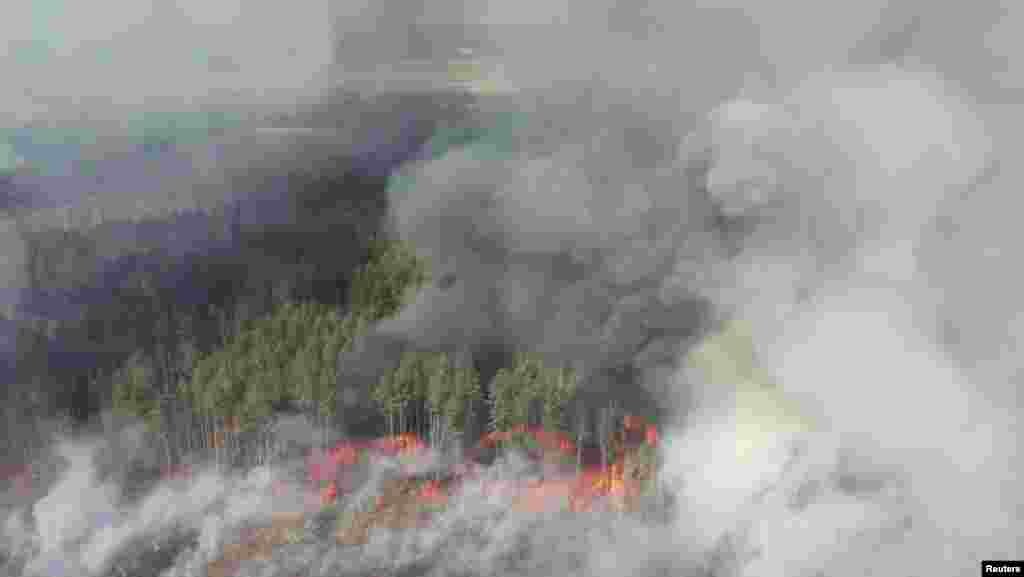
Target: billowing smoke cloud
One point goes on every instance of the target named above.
(837, 176)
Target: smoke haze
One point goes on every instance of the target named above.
(838, 175)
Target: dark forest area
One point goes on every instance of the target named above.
(100, 291)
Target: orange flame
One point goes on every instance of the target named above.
(652, 435)
(329, 494)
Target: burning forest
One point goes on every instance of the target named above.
(545, 288)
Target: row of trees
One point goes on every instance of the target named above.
(530, 393)
(288, 357)
(433, 396)
(430, 395)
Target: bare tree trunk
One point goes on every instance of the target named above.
(602, 433)
(212, 429)
(432, 439)
(323, 430)
(218, 442)
(580, 432)
(189, 431)
(167, 444)
(265, 460)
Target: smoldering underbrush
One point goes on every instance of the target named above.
(96, 513)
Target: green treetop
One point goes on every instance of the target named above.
(382, 287)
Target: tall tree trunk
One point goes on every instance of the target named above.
(580, 432)
(432, 438)
(602, 437)
(218, 442)
(167, 444)
(266, 445)
(189, 431)
(323, 430)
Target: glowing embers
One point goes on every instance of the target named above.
(411, 500)
(180, 472)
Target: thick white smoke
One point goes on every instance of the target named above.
(84, 525)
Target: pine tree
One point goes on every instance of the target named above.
(133, 392)
(384, 394)
(438, 391)
(465, 395)
(504, 393)
(382, 286)
(559, 388)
